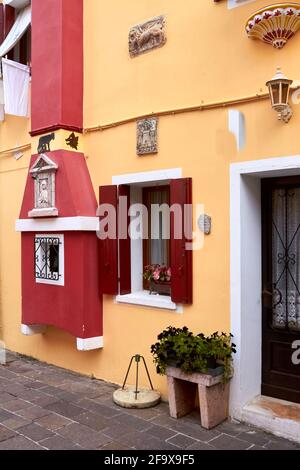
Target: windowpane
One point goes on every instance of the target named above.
(285, 89)
(275, 94)
(157, 246)
(54, 258)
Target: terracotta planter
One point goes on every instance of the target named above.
(160, 287)
(213, 396)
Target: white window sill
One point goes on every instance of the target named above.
(147, 300)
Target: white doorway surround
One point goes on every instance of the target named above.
(246, 282)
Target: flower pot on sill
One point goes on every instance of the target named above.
(213, 396)
(160, 287)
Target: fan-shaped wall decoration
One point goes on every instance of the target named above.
(274, 24)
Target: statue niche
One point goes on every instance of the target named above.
(43, 173)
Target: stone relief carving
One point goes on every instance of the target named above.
(43, 196)
(147, 35)
(147, 136)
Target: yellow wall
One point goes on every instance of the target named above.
(207, 57)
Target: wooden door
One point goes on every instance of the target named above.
(281, 287)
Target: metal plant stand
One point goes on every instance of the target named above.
(137, 359)
(133, 397)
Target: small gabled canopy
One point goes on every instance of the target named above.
(43, 164)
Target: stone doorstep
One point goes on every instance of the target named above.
(279, 417)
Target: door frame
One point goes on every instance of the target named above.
(246, 272)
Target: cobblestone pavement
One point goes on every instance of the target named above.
(44, 407)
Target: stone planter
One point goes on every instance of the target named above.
(213, 396)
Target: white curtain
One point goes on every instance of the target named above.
(159, 245)
(16, 78)
(20, 26)
(286, 258)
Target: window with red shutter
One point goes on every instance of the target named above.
(115, 254)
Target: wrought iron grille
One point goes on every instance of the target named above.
(47, 258)
(286, 259)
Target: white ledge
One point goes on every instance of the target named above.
(147, 300)
(49, 212)
(148, 176)
(84, 224)
(90, 344)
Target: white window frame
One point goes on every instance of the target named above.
(138, 295)
(61, 267)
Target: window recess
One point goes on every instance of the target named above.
(49, 259)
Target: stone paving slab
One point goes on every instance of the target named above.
(44, 407)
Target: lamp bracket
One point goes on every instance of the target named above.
(286, 114)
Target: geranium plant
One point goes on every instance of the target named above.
(157, 273)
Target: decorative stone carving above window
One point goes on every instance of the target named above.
(274, 24)
(147, 35)
(43, 173)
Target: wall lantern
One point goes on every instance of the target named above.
(279, 89)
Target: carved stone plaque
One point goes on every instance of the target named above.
(147, 136)
(148, 35)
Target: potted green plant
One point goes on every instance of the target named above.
(159, 279)
(179, 347)
(196, 362)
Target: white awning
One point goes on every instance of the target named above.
(20, 26)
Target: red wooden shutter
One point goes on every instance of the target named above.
(9, 19)
(124, 240)
(108, 248)
(181, 258)
(1, 23)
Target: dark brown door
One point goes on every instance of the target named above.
(281, 287)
